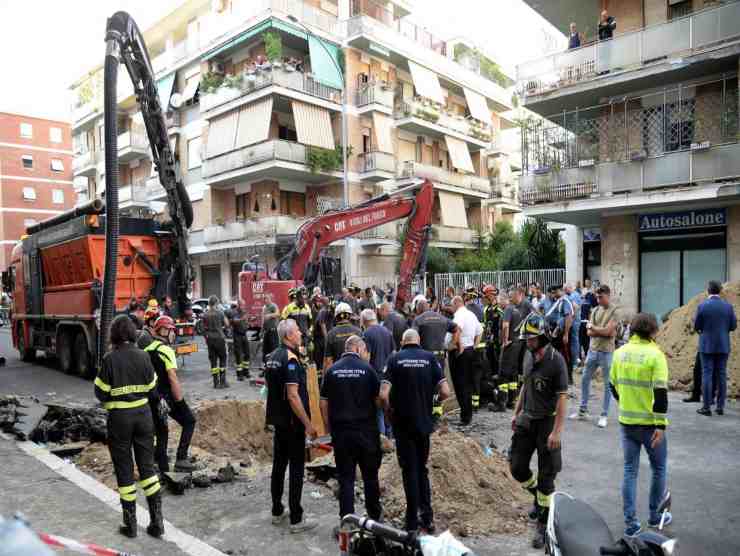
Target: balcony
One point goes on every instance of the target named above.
(504, 194)
(133, 195)
(132, 145)
(275, 159)
(679, 38)
(387, 234)
(375, 97)
(470, 185)
(154, 190)
(251, 86)
(252, 229)
(424, 118)
(449, 236)
(377, 166)
(85, 164)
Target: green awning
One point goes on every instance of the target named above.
(164, 89)
(325, 62)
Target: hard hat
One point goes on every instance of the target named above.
(342, 308)
(164, 322)
(471, 292)
(488, 289)
(532, 327)
(416, 300)
(153, 303)
(302, 290)
(292, 292)
(151, 312)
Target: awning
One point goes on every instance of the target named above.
(313, 125)
(164, 90)
(239, 39)
(383, 132)
(453, 210)
(478, 106)
(222, 134)
(254, 123)
(459, 154)
(325, 62)
(190, 90)
(426, 83)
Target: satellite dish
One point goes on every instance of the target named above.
(176, 100)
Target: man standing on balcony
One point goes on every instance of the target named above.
(574, 40)
(607, 25)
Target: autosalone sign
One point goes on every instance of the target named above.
(687, 220)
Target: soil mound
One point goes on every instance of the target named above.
(472, 493)
(680, 342)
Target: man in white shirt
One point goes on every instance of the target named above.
(461, 363)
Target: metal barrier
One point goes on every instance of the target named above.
(501, 279)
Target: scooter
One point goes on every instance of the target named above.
(575, 529)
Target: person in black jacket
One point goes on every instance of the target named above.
(214, 323)
(607, 25)
(124, 385)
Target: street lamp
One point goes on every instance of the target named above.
(345, 172)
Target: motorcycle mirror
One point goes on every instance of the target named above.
(669, 547)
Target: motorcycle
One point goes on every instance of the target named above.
(575, 529)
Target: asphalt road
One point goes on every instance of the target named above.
(703, 473)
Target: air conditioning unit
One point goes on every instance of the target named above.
(217, 67)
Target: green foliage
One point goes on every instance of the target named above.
(438, 260)
(209, 82)
(488, 68)
(273, 46)
(326, 160)
(233, 81)
(543, 245)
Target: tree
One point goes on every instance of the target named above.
(543, 244)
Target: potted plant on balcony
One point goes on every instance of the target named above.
(273, 48)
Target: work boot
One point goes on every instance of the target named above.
(184, 465)
(511, 400)
(224, 384)
(538, 541)
(239, 375)
(156, 520)
(216, 381)
(245, 372)
(129, 527)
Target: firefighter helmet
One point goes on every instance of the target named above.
(488, 289)
(533, 327)
(292, 293)
(419, 298)
(164, 322)
(342, 309)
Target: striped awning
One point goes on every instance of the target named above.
(426, 83)
(459, 154)
(313, 125)
(452, 210)
(383, 126)
(164, 89)
(254, 123)
(222, 134)
(478, 106)
(190, 90)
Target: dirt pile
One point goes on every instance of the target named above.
(95, 460)
(679, 341)
(472, 493)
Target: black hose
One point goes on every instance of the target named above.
(112, 230)
(95, 206)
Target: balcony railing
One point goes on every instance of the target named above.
(255, 81)
(132, 139)
(154, 189)
(85, 159)
(504, 191)
(377, 161)
(548, 193)
(253, 228)
(431, 113)
(451, 234)
(133, 192)
(411, 169)
(387, 232)
(631, 50)
(375, 94)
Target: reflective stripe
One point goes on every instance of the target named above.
(660, 385)
(638, 383)
(152, 489)
(481, 345)
(128, 497)
(102, 385)
(437, 410)
(543, 499)
(127, 493)
(215, 370)
(134, 388)
(146, 482)
(125, 405)
(504, 387)
(530, 483)
(513, 386)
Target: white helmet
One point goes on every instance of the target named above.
(416, 300)
(342, 308)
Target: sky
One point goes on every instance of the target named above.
(46, 45)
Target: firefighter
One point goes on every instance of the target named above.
(146, 334)
(124, 385)
(538, 419)
(238, 319)
(472, 304)
(300, 312)
(338, 335)
(492, 315)
(214, 323)
(170, 399)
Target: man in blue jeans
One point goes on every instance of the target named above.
(715, 319)
(575, 329)
(602, 329)
(639, 383)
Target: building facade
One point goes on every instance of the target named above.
(257, 108)
(35, 175)
(638, 149)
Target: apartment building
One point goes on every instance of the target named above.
(638, 146)
(257, 109)
(35, 175)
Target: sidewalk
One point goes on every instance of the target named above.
(57, 498)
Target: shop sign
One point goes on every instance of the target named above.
(592, 234)
(688, 220)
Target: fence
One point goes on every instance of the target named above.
(500, 279)
(418, 285)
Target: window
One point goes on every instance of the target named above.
(679, 9)
(194, 147)
(287, 134)
(419, 148)
(55, 134)
(56, 165)
(57, 196)
(29, 193)
(292, 203)
(28, 222)
(26, 130)
(27, 161)
(242, 206)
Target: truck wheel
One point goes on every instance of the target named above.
(27, 354)
(64, 352)
(83, 360)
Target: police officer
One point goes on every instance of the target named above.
(124, 385)
(288, 411)
(349, 398)
(214, 323)
(492, 317)
(433, 328)
(169, 398)
(411, 380)
(538, 420)
(238, 320)
(338, 335)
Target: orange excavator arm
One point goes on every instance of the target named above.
(414, 202)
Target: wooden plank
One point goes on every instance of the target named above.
(314, 395)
